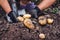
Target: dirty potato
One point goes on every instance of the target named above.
(27, 16)
(50, 21)
(42, 36)
(28, 23)
(42, 20)
(20, 18)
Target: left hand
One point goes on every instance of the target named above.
(39, 12)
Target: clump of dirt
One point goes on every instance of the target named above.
(18, 31)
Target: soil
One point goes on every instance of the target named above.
(17, 31)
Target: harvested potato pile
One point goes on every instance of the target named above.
(18, 31)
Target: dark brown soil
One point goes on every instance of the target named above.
(17, 31)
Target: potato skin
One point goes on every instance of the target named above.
(20, 18)
(27, 16)
(42, 36)
(50, 21)
(28, 23)
(42, 20)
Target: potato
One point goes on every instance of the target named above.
(42, 36)
(20, 18)
(50, 21)
(42, 20)
(28, 23)
(27, 16)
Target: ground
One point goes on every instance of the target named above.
(17, 31)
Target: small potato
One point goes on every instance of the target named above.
(42, 36)
(42, 20)
(27, 16)
(28, 23)
(20, 18)
(50, 21)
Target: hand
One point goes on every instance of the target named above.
(36, 12)
(12, 17)
(39, 12)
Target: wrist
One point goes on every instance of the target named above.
(39, 12)
(37, 9)
(10, 13)
(40, 8)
